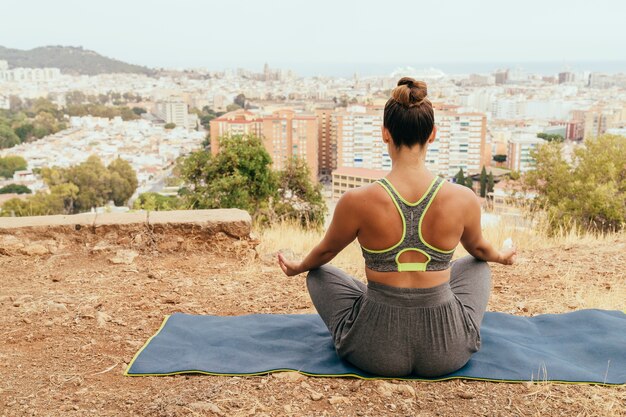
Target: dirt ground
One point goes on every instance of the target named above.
(70, 322)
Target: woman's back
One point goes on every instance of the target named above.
(381, 224)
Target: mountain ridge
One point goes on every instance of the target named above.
(74, 60)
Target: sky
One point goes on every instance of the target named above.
(325, 36)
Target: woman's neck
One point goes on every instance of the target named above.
(409, 162)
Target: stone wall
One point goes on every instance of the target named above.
(211, 230)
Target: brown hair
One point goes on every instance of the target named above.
(409, 115)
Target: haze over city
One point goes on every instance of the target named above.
(329, 37)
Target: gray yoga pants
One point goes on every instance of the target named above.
(390, 331)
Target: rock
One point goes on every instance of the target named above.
(27, 320)
(289, 376)
(405, 389)
(124, 256)
(102, 318)
(54, 306)
(387, 389)
(102, 246)
(316, 396)
(35, 249)
(466, 395)
(206, 406)
(287, 408)
(338, 399)
(384, 388)
(10, 245)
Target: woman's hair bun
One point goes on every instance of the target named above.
(410, 92)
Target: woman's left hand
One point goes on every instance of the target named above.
(290, 268)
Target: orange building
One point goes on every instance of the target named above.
(285, 134)
(326, 141)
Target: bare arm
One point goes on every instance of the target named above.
(473, 240)
(341, 232)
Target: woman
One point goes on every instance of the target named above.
(420, 313)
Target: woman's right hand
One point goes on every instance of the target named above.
(507, 256)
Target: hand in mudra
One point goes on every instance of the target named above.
(290, 268)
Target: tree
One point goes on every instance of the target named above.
(169, 125)
(25, 131)
(483, 182)
(10, 164)
(240, 100)
(123, 181)
(232, 107)
(469, 183)
(490, 182)
(515, 175)
(459, 178)
(591, 193)
(15, 189)
(157, 202)
(550, 137)
(299, 198)
(139, 111)
(238, 176)
(8, 138)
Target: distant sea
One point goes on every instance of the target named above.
(450, 68)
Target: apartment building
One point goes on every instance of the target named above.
(326, 140)
(347, 178)
(284, 132)
(359, 138)
(519, 149)
(460, 143)
(175, 111)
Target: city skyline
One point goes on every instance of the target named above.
(331, 39)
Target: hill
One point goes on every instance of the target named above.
(70, 59)
(72, 317)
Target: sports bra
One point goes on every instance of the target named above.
(412, 214)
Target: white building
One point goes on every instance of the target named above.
(519, 148)
(460, 143)
(175, 111)
(359, 138)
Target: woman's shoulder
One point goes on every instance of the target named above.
(457, 193)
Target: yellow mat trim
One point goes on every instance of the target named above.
(167, 317)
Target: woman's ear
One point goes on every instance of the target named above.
(386, 134)
(433, 135)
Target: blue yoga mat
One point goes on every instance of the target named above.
(586, 346)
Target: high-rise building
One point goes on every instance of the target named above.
(326, 141)
(174, 111)
(359, 138)
(285, 134)
(460, 143)
(519, 148)
(566, 77)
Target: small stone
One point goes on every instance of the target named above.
(54, 306)
(384, 388)
(289, 376)
(27, 320)
(405, 389)
(35, 249)
(48, 323)
(102, 318)
(465, 395)
(287, 408)
(338, 399)
(124, 256)
(316, 396)
(101, 246)
(206, 406)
